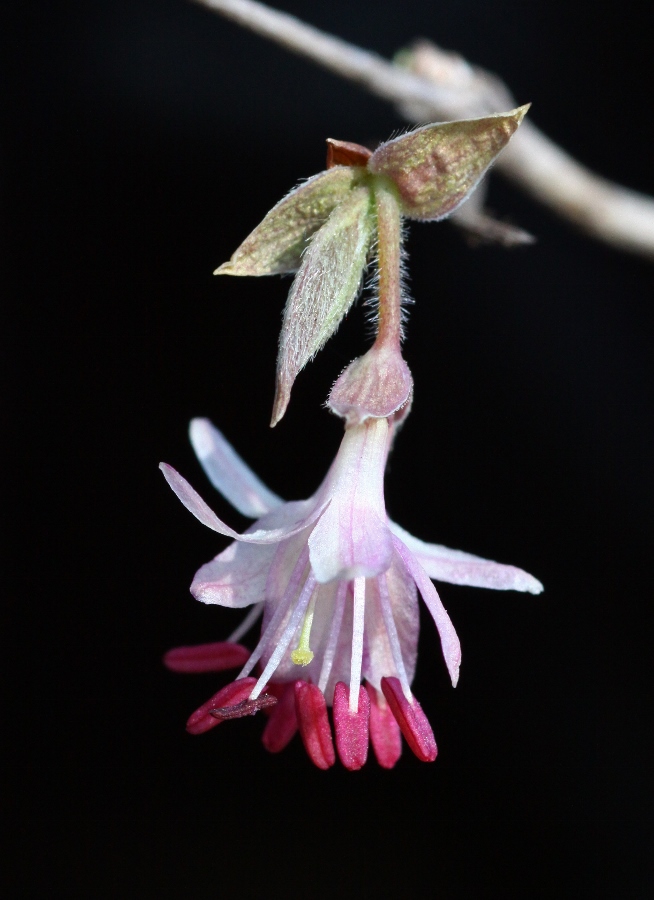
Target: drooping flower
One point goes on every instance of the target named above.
(337, 584)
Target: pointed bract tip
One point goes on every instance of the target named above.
(225, 269)
(280, 403)
(520, 112)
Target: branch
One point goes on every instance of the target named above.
(431, 84)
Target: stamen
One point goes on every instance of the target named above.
(279, 614)
(313, 722)
(287, 636)
(206, 657)
(358, 614)
(412, 721)
(332, 641)
(247, 622)
(243, 708)
(391, 630)
(282, 724)
(303, 654)
(385, 734)
(351, 728)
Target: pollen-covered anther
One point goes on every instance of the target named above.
(216, 657)
(411, 719)
(231, 695)
(313, 722)
(385, 735)
(282, 724)
(351, 727)
(244, 708)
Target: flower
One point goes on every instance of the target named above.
(337, 584)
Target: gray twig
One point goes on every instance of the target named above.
(431, 84)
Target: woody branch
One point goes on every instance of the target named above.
(433, 84)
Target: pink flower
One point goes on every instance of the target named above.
(337, 584)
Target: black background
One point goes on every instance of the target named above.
(142, 141)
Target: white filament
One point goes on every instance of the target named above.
(278, 615)
(358, 616)
(391, 630)
(287, 636)
(332, 640)
(247, 623)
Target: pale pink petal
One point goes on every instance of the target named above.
(196, 505)
(352, 538)
(228, 473)
(457, 567)
(236, 577)
(449, 640)
(401, 590)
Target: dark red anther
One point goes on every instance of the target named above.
(202, 720)
(411, 719)
(385, 735)
(282, 724)
(244, 708)
(313, 722)
(351, 727)
(345, 153)
(206, 657)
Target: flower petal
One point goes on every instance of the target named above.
(277, 243)
(449, 640)
(196, 505)
(228, 473)
(457, 567)
(352, 538)
(236, 577)
(403, 596)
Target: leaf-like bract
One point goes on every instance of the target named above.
(325, 287)
(277, 243)
(435, 167)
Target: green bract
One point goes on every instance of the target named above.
(436, 167)
(324, 229)
(325, 287)
(276, 245)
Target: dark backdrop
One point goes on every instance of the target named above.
(142, 141)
